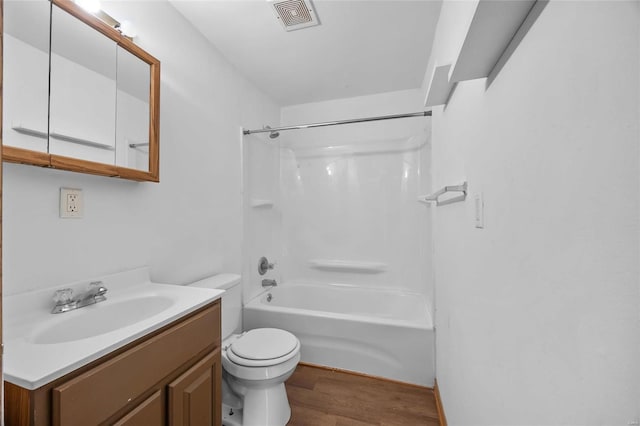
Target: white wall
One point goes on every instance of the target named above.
(537, 314)
(187, 226)
(352, 196)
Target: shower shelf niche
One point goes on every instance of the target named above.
(261, 203)
(348, 266)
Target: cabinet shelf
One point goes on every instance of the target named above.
(493, 34)
(56, 135)
(80, 141)
(28, 131)
(440, 86)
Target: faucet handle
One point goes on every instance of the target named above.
(264, 265)
(63, 296)
(96, 284)
(97, 287)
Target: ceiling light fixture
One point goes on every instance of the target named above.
(127, 29)
(91, 6)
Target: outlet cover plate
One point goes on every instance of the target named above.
(71, 203)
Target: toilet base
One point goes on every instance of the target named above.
(258, 391)
(261, 404)
(265, 407)
(231, 416)
(268, 406)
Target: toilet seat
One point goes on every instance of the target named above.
(262, 347)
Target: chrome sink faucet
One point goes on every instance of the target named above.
(66, 302)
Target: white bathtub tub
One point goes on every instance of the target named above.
(382, 333)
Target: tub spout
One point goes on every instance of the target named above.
(269, 283)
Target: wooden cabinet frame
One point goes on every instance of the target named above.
(42, 159)
(1, 53)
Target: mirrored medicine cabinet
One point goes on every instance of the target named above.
(78, 95)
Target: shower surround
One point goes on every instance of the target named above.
(336, 208)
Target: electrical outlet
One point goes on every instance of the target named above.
(71, 205)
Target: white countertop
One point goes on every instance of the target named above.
(30, 364)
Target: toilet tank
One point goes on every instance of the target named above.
(231, 300)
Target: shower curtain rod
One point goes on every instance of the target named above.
(335, 123)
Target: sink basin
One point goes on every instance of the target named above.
(40, 347)
(98, 319)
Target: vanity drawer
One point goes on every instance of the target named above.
(150, 412)
(99, 393)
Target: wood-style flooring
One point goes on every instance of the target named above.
(324, 397)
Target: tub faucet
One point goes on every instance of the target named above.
(264, 265)
(66, 302)
(269, 283)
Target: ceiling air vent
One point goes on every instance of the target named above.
(295, 14)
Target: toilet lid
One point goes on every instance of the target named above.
(264, 344)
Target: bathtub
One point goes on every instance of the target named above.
(382, 333)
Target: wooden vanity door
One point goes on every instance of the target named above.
(149, 412)
(195, 396)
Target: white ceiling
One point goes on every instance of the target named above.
(361, 47)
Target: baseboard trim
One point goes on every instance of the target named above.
(355, 373)
(439, 406)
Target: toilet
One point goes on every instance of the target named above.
(255, 363)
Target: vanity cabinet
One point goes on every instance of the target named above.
(190, 395)
(149, 412)
(171, 377)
